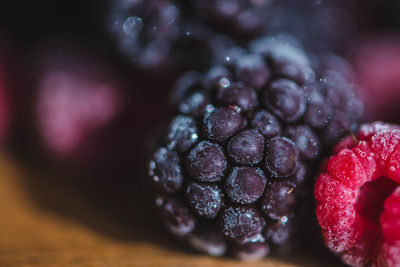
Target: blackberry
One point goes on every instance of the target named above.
(157, 37)
(144, 29)
(243, 143)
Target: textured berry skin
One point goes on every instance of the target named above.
(359, 198)
(245, 146)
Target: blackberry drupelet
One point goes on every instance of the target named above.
(237, 18)
(236, 160)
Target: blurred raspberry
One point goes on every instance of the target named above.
(78, 98)
(376, 60)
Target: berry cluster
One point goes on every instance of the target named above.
(232, 168)
(359, 197)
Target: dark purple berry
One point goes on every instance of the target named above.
(266, 124)
(245, 185)
(251, 251)
(287, 59)
(175, 216)
(278, 199)
(242, 223)
(281, 156)
(222, 123)
(318, 111)
(204, 199)
(301, 174)
(182, 133)
(286, 100)
(238, 94)
(165, 170)
(338, 126)
(253, 71)
(306, 140)
(246, 147)
(206, 162)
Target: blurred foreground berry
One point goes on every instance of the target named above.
(359, 198)
(77, 99)
(237, 158)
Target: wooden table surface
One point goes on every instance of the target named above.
(43, 223)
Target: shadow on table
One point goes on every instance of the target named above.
(118, 207)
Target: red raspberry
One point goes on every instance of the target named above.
(359, 197)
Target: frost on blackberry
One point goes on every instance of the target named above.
(182, 133)
(245, 185)
(222, 123)
(242, 223)
(206, 162)
(246, 134)
(246, 148)
(204, 199)
(166, 170)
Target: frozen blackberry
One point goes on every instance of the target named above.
(144, 29)
(158, 36)
(245, 146)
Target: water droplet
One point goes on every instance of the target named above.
(224, 82)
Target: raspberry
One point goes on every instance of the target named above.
(376, 62)
(77, 102)
(359, 198)
(243, 146)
